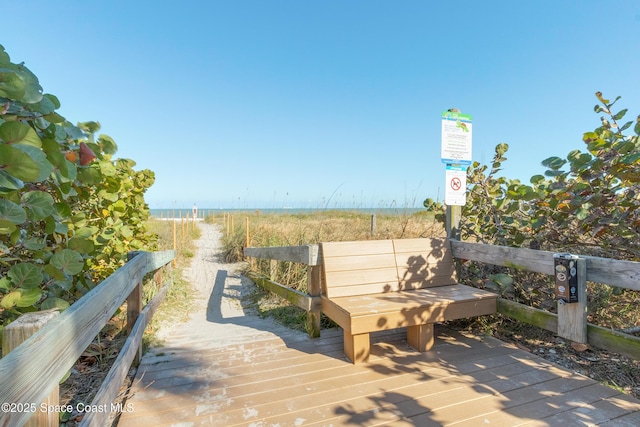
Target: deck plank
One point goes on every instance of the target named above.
(288, 381)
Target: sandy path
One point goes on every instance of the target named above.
(218, 309)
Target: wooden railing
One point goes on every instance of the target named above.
(617, 273)
(30, 372)
(306, 254)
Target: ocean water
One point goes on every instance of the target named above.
(202, 212)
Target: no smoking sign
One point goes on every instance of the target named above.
(456, 189)
(456, 183)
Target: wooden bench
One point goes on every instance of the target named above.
(376, 285)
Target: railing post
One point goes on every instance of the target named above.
(134, 307)
(15, 334)
(314, 290)
(373, 225)
(175, 241)
(181, 231)
(572, 318)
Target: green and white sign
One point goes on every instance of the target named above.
(456, 138)
(455, 193)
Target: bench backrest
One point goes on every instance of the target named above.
(378, 266)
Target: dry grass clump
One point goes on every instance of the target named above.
(315, 227)
(328, 226)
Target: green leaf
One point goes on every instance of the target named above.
(7, 227)
(90, 127)
(45, 106)
(54, 100)
(69, 261)
(90, 176)
(53, 152)
(49, 225)
(83, 246)
(630, 159)
(54, 272)
(68, 171)
(4, 57)
(11, 299)
(79, 220)
(109, 195)
(74, 132)
(107, 144)
(61, 228)
(19, 133)
(626, 126)
(554, 163)
(8, 182)
(11, 85)
(28, 297)
(502, 279)
(15, 236)
(54, 302)
(35, 243)
(581, 214)
(36, 154)
(63, 210)
(620, 114)
(85, 232)
(32, 88)
(502, 148)
(25, 275)
(18, 164)
(537, 179)
(107, 168)
(12, 212)
(39, 204)
(54, 118)
(5, 285)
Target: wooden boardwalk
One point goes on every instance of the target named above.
(227, 367)
(290, 380)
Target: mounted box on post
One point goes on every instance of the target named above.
(566, 275)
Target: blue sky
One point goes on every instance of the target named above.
(271, 104)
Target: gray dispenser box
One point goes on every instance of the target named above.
(566, 275)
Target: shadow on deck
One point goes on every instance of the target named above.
(233, 368)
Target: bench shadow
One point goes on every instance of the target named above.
(420, 273)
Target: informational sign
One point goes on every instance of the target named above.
(456, 187)
(456, 138)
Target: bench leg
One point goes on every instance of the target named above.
(356, 347)
(420, 337)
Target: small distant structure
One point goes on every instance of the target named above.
(194, 210)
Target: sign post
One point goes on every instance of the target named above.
(456, 149)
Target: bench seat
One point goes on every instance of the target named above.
(371, 286)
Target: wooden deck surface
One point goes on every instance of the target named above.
(290, 380)
(227, 367)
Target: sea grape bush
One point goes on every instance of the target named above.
(69, 211)
(588, 200)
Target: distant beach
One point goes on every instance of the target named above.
(203, 212)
